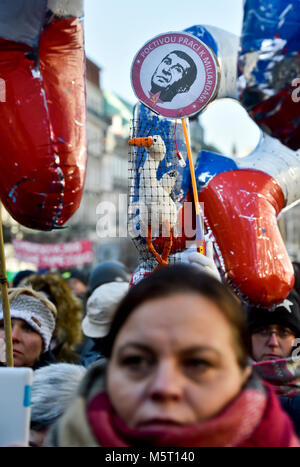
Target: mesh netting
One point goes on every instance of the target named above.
(158, 184)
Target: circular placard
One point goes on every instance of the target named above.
(175, 74)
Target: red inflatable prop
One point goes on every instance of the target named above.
(43, 126)
(241, 208)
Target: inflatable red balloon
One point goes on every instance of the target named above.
(242, 199)
(43, 117)
(241, 207)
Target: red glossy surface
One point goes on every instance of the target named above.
(241, 207)
(43, 127)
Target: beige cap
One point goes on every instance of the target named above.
(101, 306)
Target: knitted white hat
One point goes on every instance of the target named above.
(35, 313)
(101, 306)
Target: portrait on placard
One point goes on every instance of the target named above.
(175, 75)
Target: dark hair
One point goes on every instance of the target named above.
(182, 85)
(186, 279)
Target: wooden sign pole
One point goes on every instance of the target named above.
(5, 300)
(200, 241)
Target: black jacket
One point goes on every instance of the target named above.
(45, 359)
(291, 405)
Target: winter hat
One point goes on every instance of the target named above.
(108, 271)
(22, 275)
(285, 314)
(101, 306)
(34, 312)
(80, 275)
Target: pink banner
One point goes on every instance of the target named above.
(59, 255)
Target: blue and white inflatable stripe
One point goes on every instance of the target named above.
(225, 46)
(270, 156)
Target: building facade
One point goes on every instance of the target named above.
(290, 230)
(102, 215)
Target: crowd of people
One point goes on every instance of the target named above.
(178, 359)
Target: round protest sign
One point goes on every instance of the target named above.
(175, 74)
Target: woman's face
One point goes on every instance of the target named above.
(27, 343)
(173, 363)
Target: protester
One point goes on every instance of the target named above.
(21, 276)
(52, 391)
(78, 283)
(177, 374)
(67, 335)
(101, 306)
(104, 273)
(32, 323)
(273, 332)
(107, 271)
(105, 298)
(275, 348)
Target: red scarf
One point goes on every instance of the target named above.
(282, 374)
(253, 419)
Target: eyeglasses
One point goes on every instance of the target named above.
(282, 333)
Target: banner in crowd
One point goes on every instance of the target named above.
(59, 255)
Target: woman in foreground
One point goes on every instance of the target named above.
(177, 374)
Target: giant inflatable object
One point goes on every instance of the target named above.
(42, 111)
(242, 199)
(243, 196)
(269, 67)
